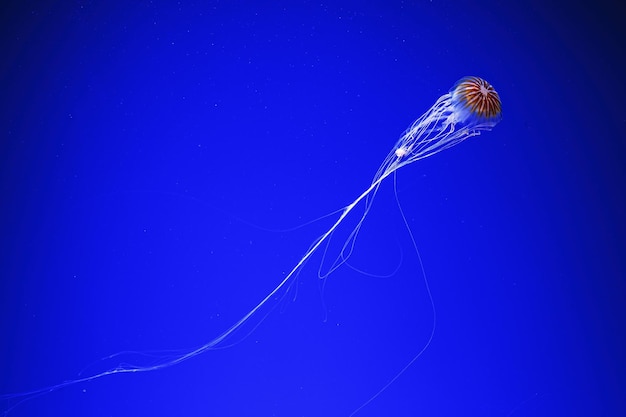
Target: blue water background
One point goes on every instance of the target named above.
(156, 158)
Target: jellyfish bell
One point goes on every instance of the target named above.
(470, 107)
(475, 98)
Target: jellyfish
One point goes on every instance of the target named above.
(470, 107)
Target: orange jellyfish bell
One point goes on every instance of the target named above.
(473, 97)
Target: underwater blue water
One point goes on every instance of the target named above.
(161, 163)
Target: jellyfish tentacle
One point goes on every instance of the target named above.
(471, 107)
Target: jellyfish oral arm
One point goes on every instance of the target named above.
(432, 133)
(320, 241)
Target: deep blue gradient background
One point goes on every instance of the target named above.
(155, 156)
